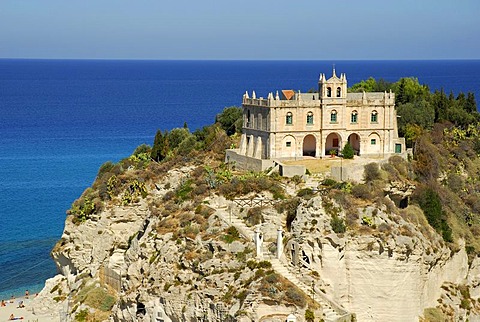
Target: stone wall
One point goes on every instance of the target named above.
(234, 158)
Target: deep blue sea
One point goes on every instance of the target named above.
(61, 119)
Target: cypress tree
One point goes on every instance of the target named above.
(470, 104)
(348, 151)
(400, 95)
(160, 147)
(157, 143)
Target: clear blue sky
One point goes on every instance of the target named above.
(244, 29)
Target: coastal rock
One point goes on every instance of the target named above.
(182, 264)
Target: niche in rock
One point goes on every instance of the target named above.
(141, 311)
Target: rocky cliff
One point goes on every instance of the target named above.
(181, 252)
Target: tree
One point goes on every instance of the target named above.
(160, 147)
(431, 204)
(230, 119)
(141, 149)
(400, 93)
(348, 151)
(421, 113)
(371, 85)
(470, 104)
(368, 85)
(409, 90)
(176, 136)
(440, 103)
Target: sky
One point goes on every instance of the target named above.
(243, 29)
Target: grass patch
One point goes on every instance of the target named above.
(96, 297)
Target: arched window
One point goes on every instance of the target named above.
(374, 117)
(289, 118)
(329, 92)
(354, 117)
(248, 118)
(339, 92)
(309, 118)
(333, 117)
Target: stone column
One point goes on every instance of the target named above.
(258, 148)
(279, 242)
(258, 242)
(250, 145)
(243, 144)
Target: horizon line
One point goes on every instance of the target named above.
(240, 60)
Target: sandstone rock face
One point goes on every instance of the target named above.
(178, 265)
(380, 276)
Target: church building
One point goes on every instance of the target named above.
(291, 124)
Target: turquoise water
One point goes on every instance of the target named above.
(60, 120)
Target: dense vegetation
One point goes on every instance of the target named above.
(444, 132)
(419, 109)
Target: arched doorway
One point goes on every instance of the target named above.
(332, 143)
(354, 140)
(309, 145)
(374, 143)
(288, 147)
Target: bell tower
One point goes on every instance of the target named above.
(334, 87)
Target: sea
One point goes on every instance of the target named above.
(61, 119)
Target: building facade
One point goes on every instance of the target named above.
(294, 125)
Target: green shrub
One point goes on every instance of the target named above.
(248, 183)
(348, 151)
(82, 315)
(362, 191)
(230, 119)
(329, 182)
(254, 216)
(264, 264)
(305, 193)
(105, 168)
(400, 164)
(309, 316)
(430, 202)
(242, 296)
(97, 298)
(184, 191)
(291, 208)
(367, 221)
(338, 225)
(259, 273)
(465, 304)
(372, 172)
(433, 315)
(176, 136)
(84, 207)
(295, 296)
(166, 286)
(231, 235)
(455, 182)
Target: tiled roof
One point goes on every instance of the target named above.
(288, 93)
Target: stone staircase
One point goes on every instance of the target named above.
(238, 223)
(332, 312)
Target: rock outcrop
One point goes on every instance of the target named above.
(189, 262)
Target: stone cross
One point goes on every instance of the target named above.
(258, 241)
(279, 242)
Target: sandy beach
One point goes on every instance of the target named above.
(26, 312)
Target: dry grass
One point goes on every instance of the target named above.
(324, 165)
